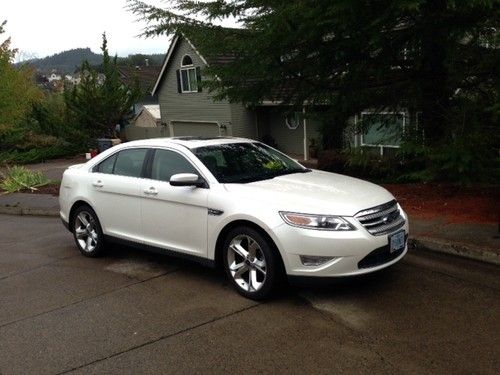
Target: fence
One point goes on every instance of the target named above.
(133, 133)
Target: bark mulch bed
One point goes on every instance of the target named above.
(475, 204)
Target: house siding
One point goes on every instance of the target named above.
(272, 123)
(198, 106)
(243, 121)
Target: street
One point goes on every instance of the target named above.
(136, 312)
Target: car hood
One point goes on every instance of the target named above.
(315, 192)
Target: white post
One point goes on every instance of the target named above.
(306, 146)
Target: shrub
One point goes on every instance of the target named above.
(19, 178)
(332, 161)
(34, 155)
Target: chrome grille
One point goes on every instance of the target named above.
(382, 219)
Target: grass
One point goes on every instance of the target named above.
(21, 178)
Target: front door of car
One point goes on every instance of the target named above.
(116, 193)
(174, 217)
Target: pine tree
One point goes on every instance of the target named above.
(101, 101)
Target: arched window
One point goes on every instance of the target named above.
(188, 76)
(187, 60)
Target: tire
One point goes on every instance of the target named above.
(251, 263)
(87, 232)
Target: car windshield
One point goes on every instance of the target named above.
(246, 162)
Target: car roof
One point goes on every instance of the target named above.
(190, 142)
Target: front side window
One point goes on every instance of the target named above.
(246, 162)
(166, 163)
(107, 165)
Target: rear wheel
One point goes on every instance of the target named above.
(87, 232)
(251, 263)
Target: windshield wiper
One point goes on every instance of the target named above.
(247, 179)
(291, 171)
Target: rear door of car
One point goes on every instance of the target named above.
(173, 217)
(116, 193)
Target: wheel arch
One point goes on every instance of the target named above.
(77, 204)
(243, 222)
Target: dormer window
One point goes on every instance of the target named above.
(188, 76)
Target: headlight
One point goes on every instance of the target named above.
(324, 222)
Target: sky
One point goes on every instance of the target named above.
(40, 28)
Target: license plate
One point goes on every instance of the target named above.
(397, 241)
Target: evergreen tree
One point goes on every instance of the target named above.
(425, 55)
(101, 101)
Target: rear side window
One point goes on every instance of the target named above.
(124, 163)
(129, 162)
(167, 163)
(107, 165)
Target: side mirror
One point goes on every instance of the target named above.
(187, 179)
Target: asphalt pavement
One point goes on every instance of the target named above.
(134, 312)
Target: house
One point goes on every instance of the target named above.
(54, 77)
(187, 109)
(145, 77)
(73, 79)
(148, 116)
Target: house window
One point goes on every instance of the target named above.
(382, 129)
(292, 120)
(188, 75)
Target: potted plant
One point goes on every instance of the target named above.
(313, 148)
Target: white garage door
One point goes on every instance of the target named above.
(200, 129)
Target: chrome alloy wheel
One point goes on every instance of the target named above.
(247, 263)
(86, 232)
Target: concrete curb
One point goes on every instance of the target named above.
(455, 248)
(29, 211)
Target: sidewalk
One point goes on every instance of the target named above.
(474, 241)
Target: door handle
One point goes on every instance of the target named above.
(98, 184)
(151, 191)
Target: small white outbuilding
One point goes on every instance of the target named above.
(148, 116)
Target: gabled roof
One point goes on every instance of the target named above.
(207, 60)
(145, 75)
(167, 60)
(152, 109)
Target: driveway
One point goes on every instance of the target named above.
(134, 312)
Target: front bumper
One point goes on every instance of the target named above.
(355, 252)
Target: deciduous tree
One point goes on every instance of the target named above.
(18, 91)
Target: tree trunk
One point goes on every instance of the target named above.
(433, 75)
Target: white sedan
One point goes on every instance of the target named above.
(235, 203)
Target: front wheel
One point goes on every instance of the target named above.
(250, 263)
(87, 232)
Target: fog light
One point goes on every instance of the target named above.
(309, 260)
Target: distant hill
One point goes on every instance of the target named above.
(69, 61)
